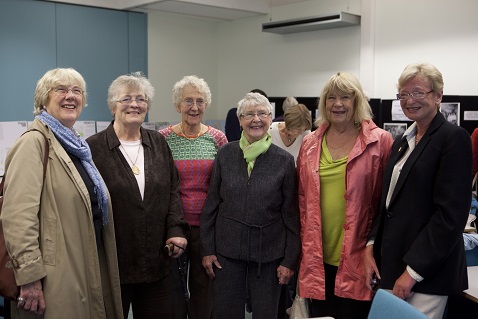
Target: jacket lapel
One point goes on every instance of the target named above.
(437, 121)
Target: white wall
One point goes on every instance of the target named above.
(235, 57)
(442, 32)
(179, 46)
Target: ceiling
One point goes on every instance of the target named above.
(221, 10)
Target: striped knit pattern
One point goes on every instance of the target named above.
(194, 159)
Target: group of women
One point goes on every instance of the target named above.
(339, 205)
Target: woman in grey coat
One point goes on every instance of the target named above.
(250, 221)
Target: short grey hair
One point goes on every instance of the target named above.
(253, 99)
(135, 81)
(192, 81)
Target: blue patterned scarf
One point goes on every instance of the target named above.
(74, 144)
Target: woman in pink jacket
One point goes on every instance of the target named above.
(340, 168)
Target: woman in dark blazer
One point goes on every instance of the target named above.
(250, 221)
(425, 200)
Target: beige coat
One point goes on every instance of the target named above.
(58, 245)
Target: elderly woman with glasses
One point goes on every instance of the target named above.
(418, 235)
(250, 221)
(58, 227)
(194, 147)
(139, 171)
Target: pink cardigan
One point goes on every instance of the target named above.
(364, 170)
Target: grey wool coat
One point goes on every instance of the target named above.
(253, 218)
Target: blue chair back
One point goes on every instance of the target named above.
(387, 306)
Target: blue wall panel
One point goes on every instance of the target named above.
(36, 36)
(27, 51)
(95, 42)
(138, 42)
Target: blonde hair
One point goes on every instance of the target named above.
(425, 70)
(345, 83)
(298, 117)
(53, 78)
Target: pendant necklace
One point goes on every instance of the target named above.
(189, 138)
(340, 146)
(134, 168)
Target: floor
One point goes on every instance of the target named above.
(248, 315)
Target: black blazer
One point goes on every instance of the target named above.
(423, 226)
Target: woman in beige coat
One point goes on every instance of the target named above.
(59, 232)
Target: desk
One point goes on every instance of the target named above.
(472, 292)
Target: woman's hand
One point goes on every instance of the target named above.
(31, 298)
(370, 266)
(403, 286)
(177, 246)
(208, 262)
(284, 274)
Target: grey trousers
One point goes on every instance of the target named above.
(230, 289)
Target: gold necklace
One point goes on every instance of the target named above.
(134, 168)
(189, 138)
(340, 146)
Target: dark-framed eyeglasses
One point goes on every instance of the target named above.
(418, 95)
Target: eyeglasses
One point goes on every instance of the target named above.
(250, 115)
(414, 95)
(190, 102)
(62, 90)
(128, 100)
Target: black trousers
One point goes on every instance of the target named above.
(337, 307)
(148, 300)
(230, 289)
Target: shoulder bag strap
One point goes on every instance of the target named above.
(45, 155)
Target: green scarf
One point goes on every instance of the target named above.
(252, 151)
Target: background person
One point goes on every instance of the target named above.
(288, 135)
(425, 200)
(194, 147)
(60, 230)
(139, 171)
(288, 102)
(474, 147)
(340, 167)
(250, 221)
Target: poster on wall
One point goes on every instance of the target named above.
(451, 111)
(396, 129)
(9, 132)
(397, 112)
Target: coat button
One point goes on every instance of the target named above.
(389, 214)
